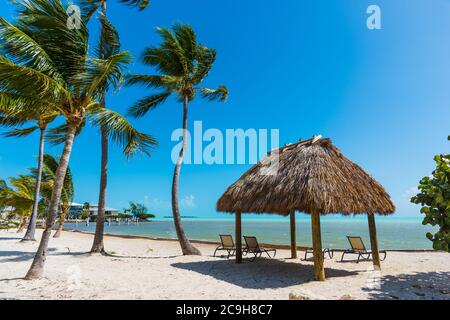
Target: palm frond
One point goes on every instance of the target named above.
(49, 174)
(151, 81)
(102, 73)
(187, 40)
(88, 8)
(219, 94)
(141, 107)
(169, 57)
(47, 20)
(58, 135)
(122, 132)
(30, 82)
(205, 61)
(8, 121)
(141, 4)
(16, 132)
(109, 43)
(24, 49)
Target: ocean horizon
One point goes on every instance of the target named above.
(394, 232)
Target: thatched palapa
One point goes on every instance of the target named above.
(310, 176)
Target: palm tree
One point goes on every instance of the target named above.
(183, 64)
(20, 198)
(109, 45)
(69, 79)
(41, 119)
(67, 194)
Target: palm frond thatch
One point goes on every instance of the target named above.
(310, 176)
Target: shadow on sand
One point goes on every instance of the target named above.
(417, 286)
(17, 256)
(261, 274)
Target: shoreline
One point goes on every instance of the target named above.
(268, 245)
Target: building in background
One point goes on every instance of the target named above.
(77, 208)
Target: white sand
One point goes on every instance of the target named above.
(147, 269)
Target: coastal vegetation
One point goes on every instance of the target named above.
(434, 197)
(51, 63)
(182, 63)
(138, 211)
(19, 195)
(40, 118)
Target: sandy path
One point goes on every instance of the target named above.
(148, 269)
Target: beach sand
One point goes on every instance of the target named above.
(150, 269)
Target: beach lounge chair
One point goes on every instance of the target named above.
(359, 248)
(326, 250)
(227, 245)
(252, 247)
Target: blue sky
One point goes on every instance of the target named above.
(303, 67)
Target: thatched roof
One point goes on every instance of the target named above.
(312, 175)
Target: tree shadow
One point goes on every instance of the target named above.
(112, 255)
(261, 274)
(17, 256)
(417, 286)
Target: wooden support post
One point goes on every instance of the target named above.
(319, 271)
(374, 241)
(293, 236)
(238, 238)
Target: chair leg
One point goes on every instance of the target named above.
(331, 253)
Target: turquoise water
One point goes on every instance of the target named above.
(393, 232)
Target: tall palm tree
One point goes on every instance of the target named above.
(41, 117)
(109, 45)
(183, 64)
(72, 81)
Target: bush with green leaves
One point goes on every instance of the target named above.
(434, 197)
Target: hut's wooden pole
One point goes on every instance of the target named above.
(238, 238)
(373, 240)
(319, 271)
(293, 236)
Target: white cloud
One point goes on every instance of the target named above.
(156, 203)
(188, 201)
(411, 192)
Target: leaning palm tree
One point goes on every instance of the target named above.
(68, 191)
(109, 45)
(183, 64)
(40, 117)
(71, 80)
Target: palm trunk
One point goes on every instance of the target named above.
(29, 235)
(186, 247)
(98, 245)
(62, 219)
(37, 267)
(22, 225)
